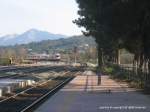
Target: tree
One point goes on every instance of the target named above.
(95, 21)
(120, 24)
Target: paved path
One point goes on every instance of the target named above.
(84, 95)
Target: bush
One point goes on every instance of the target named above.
(135, 80)
(108, 70)
(5, 61)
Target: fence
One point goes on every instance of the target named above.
(133, 74)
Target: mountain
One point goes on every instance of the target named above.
(29, 36)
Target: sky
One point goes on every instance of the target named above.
(55, 16)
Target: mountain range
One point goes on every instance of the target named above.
(41, 41)
(32, 35)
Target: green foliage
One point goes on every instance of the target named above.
(60, 45)
(64, 46)
(108, 70)
(5, 61)
(96, 17)
(123, 74)
(117, 24)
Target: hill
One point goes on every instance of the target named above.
(58, 44)
(32, 35)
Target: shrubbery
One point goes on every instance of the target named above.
(5, 61)
(135, 80)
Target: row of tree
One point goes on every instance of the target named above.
(15, 55)
(117, 24)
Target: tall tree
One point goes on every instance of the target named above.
(95, 21)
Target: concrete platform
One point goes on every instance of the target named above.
(84, 95)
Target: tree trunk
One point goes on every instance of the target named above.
(136, 59)
(118, 56)
(141, 61)
(145, 65)
(100, 57)
(148, 77)
(149, 67)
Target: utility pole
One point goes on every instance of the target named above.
(68, 58)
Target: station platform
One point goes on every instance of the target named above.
(83, 94)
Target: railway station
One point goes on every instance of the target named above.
(74, 55)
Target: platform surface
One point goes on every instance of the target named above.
(83, 94)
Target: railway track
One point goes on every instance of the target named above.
(50, 71)
(37, 102)
(28, 99)
(25, 71)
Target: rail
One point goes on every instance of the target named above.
(44, 96)
(34, 95)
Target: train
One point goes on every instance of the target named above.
(44, 57)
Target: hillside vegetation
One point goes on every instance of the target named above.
(59, 44)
